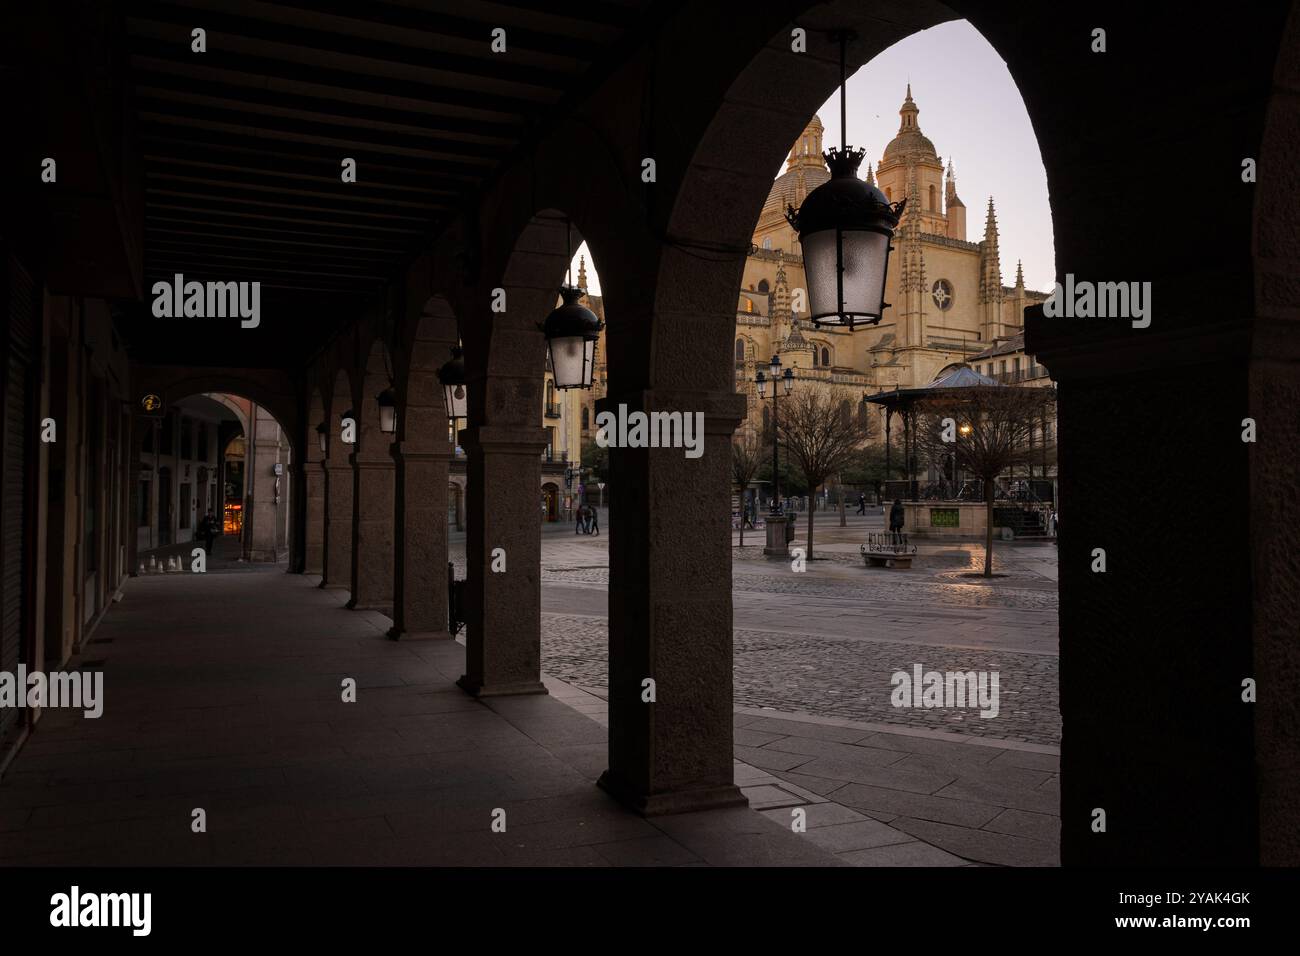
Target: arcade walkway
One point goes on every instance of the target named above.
(223, 692)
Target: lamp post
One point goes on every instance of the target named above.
(775, 545)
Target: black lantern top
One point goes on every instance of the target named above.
(844, 201)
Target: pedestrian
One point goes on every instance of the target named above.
(593, 521)
(862, 504)
(580, 520)
(208, 530)
(897, 516)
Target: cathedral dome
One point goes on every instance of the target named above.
(805, 170)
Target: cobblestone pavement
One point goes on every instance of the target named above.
(826, 642)
(840, 678)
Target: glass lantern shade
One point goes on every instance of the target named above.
(387, 411)
(844, 227)
(788, 378)
(571, 332)
(761, 381)
(322, 434)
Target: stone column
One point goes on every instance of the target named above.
(337, 569)
(372, 534)
(420, 544)
(313, 536)
(263, 455)
(503, 613)
(670, 614)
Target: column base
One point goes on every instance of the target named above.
(400, 635)
(776, 546)
(326, 586)
(475, 689)
(676, 801)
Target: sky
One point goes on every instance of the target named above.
(973, 113)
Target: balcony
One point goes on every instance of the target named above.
(552, 410)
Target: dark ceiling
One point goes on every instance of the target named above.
(242, 145)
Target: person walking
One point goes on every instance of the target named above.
(593, 521)
(862, 503)
(897, 516)
(208, 530)
(580, 520)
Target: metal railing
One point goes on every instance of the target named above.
(552, 410)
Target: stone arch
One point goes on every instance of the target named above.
(273, 389)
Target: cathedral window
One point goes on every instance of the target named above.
(762, 283)
(767, 243)
(933, 205)
(749, 305)
(740, 350)
(826, 357)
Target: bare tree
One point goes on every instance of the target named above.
(986, 430)
(746, 455)
(819, 438)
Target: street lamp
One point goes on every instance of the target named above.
(774, 367)
(571, 332)
(844, 228)
(322, 434)
(452, 378)
(387, 411)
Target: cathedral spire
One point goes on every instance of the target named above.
(990, 265)
(1020, 277)
(991, 225)
(908, 113)
(871, 179)
(582, 272)
(950, 197)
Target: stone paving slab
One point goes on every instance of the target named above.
(239, 712)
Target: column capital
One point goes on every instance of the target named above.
(356, 461)
(406, 451)
(506, 439)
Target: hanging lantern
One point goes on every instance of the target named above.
(322, 434)
(571, 333)
(387, 411)
(452, 377)
(844, 228)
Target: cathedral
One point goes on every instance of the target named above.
(947, 301)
